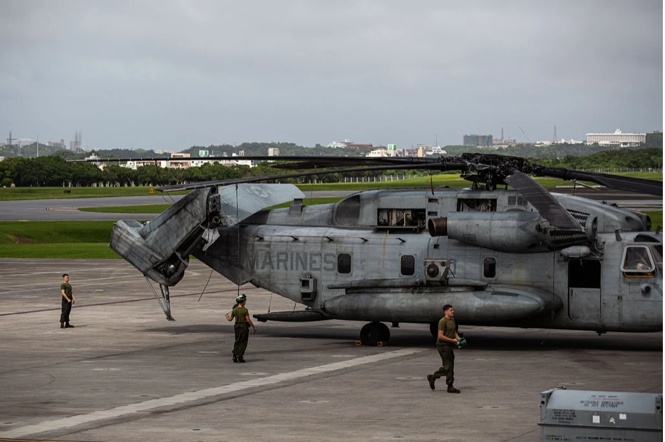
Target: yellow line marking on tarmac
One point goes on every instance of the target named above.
(183, 398)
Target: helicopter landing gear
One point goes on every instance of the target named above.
(374, 333)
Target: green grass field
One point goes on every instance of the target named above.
(56, 239)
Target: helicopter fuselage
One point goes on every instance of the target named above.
(372, 257)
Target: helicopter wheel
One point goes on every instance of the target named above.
(373, 333)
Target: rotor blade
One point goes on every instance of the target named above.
(639, 185)
(548, 207)
(255, 179)
(321, 161)
(294, 162)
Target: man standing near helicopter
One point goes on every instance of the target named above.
(241, 327)
(447, 338)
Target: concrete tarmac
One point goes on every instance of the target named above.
(125, 373)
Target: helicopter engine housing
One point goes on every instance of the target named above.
(512, 232)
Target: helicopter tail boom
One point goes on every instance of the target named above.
(160, 249)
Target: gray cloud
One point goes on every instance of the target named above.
(172, 74)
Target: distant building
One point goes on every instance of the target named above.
(436, 150)
(135, 164)
(561, 141)
(337, 145)
(348, 144)
(478, 140)
(58, 144)
(499, 143)
(358, 145)
(379, 152)
(411, 153)
(273, 151)
(180, 161)
(617, 138)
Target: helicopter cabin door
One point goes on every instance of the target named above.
(584, 290)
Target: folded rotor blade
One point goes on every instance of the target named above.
(548, 207)
(639, 185)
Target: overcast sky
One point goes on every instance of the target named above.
(171, 74)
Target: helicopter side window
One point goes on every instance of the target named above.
(344, 263)
(400, 218)
(637, 262)
(517, 200)
(489, 267)
(407, 265)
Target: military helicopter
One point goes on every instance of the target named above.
(520, 257)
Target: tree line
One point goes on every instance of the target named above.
(55, 170)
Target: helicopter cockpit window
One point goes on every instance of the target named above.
(407, 265)
(489, 267)
(637, 262)
(344, 263)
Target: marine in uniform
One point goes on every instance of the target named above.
(447, 339)
(68, 300)
(241, 327)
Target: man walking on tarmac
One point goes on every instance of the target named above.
(447, 339)
(241, 328)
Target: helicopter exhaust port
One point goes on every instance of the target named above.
(437, 226)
